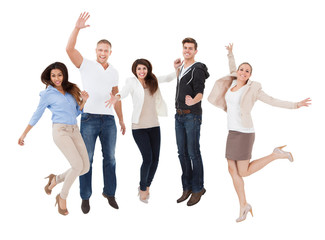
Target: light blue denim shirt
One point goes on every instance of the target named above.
(64, 108)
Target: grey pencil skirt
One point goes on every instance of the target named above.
(239, 145)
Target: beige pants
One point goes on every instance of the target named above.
(70, 142)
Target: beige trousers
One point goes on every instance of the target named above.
(70, 142)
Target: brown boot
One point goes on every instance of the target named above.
(185, 195)
(195, 198)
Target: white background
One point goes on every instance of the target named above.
(284, 42)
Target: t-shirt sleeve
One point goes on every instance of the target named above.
(116, 79)
(84, 64)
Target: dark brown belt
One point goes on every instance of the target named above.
(180, 111)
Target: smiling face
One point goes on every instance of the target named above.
(189, 51)
(103, 51)
(56, 77)
(141, 71)
(244, 72)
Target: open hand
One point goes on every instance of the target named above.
(229, 47)
(81, 22)
(304, 103)
(110, 102)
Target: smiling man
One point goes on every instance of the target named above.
(191, 78)
(99, 79)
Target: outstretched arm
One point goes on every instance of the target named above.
(231, 58)
(280, 103)
(73, 53)
(22, 137)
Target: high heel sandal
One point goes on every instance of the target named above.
(142, 200)
(247, 209)
(63, 212)
(46, 188)
(279, 150)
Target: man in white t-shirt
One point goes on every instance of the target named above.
(99, 79)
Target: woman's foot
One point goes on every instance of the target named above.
(51, 184)
(243, 212)
(283, 154)
(143, 195)
(62, 205)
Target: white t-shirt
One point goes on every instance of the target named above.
(98, 82)
(233, 109)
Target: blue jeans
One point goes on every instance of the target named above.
(148, 141)
(187, 128)
(104, 127)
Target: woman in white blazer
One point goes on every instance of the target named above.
(148, 104)
(236, 95)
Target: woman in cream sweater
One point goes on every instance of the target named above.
(236, 95)
(148, 104)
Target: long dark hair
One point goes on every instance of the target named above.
(66, 85)
(150, 79)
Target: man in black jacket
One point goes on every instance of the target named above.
(191, 77)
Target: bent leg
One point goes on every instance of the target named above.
(246, 168)
(62, 137)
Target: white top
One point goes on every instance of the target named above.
(134, 87)
(98, 82)
(184, 70)
(148, 117)
(233, 110)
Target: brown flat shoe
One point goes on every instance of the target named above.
(185, 195)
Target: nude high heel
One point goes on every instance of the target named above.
(46, 188)
(142, 200)
(63, 212)
(279, 150)
(247, 209)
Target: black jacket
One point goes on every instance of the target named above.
(191, 84)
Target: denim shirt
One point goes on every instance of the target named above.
(64, 108)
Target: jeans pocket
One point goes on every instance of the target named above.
(198, 119)
(85, 117)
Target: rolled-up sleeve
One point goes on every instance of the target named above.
(198, 81)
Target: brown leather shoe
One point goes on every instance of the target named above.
(195, 198)
(185, 195)
(111, 201)
(85, 207)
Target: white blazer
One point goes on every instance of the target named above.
(135, 88)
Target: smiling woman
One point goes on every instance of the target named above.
(147, 105)
(66, 102)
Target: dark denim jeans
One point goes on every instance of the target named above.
(104, 127)
(188, 128)
(148, 141)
